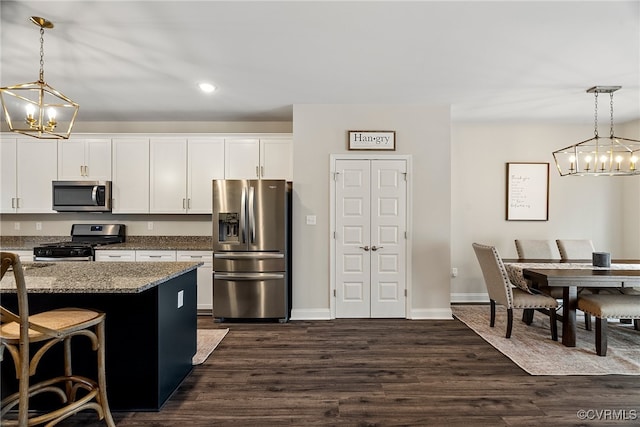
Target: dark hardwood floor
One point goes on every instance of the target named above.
(375, 373)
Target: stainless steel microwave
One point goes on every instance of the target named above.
(82, 196)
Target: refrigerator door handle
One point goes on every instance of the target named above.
(248, 255)
(243, 209)
(248, 276)
(252, 216)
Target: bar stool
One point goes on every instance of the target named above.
(19, 331)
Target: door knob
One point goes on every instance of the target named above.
(374, 248)
(366, 248)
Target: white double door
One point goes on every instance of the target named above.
(370, 242)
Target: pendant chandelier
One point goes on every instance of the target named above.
(597, 156)
(36, 109)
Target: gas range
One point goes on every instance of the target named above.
(84, 239)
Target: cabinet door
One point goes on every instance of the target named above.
(242, 158)
(71, 165)
(8, 174)
(37, 168)
(168, 176)
(155, 256)
(115, 255)
(97, 155)
(130, 187)
(276, 159)
(205, 276)
(84, 159)
(205, 163)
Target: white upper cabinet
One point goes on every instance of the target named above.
(168, 175)
(205, 163)
(181, 172)
(29, 166)
(264, 158)
(84, 159)
(276, 159)
(130, 186)
(242, 159)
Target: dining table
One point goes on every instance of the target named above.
(571, 276)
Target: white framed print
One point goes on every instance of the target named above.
(527, 192)
(372, 140)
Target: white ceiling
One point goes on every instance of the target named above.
(500, 60)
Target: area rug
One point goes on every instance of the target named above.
(531, 347)
(208, 340)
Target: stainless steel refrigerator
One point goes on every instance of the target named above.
(251, 249)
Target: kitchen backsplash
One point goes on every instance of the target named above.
(137, 225)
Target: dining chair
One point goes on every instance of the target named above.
(575, 248)
(537, 249)
(542, 250)
(609, 306)
(27, 338)
(502, 292)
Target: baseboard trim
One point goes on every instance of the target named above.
(311, 314)
(431, 314)
(469, 297)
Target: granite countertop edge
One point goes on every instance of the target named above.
(96, 278)
(186, 243)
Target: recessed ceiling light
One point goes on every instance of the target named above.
(206, 87)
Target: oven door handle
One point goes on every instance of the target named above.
(62, 259)
(248, 276)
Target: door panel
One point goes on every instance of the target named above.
(370, 238)
(353, 263)
(388, 225)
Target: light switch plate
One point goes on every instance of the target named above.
(311, 220)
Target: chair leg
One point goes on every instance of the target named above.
(554, 324)
(509, 321)
(601, 336)
(587, 321)
(527, 315)
(492, 320)
(102, 378)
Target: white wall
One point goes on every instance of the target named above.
(424, 133)
(599, 208)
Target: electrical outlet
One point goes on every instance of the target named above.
(38, 226)
(150, 225)
(16, 226)
(311, 220)
(454, 272)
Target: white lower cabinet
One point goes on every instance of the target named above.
(155, 256)
(205, 276)
(205, 272)
(115, 256)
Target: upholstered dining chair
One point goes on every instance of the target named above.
(23, 333)
(575, 248)
(502, 292)
(537, 249)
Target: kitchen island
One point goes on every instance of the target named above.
(150, 326)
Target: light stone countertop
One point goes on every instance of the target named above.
(96, 277)
(185, 243)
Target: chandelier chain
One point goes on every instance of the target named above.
(611, 106)
(42, 54)
(595, 120)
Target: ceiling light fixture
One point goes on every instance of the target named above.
(36, 109)
(207, 87)
(610, 156)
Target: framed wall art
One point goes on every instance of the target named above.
(372, 140)
(527, 192)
